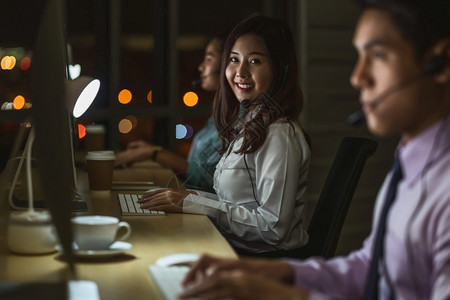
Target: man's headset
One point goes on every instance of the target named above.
(434, 66)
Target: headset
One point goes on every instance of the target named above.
(434, 66)
(197, 82)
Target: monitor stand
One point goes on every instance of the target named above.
(18, 194)
(77, 205)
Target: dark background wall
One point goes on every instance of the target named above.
(327, 62)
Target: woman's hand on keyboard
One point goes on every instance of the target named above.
(168, 200)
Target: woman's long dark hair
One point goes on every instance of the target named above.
(282, 100)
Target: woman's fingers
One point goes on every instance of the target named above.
(168, 200)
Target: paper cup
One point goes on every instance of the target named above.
(95, 137)
(100, 165)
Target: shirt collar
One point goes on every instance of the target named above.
(423, 150)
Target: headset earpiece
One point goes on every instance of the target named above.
(435, 65)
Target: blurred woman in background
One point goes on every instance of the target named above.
(198, 169)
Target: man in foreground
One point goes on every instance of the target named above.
(403, 74)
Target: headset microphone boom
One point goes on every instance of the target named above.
(433, 67)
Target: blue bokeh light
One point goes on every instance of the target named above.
(180, 131)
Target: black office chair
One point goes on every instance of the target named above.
(331, 209)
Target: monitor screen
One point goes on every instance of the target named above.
(50, 120)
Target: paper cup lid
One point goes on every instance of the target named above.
(101, 155)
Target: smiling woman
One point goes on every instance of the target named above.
(249, 70)
(260, 180)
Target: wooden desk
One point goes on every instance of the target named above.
(125, 276)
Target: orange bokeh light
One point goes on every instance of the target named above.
(125, 96)
(81, 131)
(19, 102)
(8, 62)
(149, 97)
(190, 99)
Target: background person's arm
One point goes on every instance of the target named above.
(141, 150)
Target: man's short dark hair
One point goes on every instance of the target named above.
(422, 22)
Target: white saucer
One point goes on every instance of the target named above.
(115, 249)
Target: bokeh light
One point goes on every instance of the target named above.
(125, 126)
(74, 71)
(190, 99)
(81, 131)
(19, 102)
(133, 120)
(149, 97)
(7, 106)
(8, 62)
(190, 132)
(125, 96)
(25, 63)
(180, 131)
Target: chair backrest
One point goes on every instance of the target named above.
(331, 209)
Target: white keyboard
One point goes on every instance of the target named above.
(130, 207)
(169, 279)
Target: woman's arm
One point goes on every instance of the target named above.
(275, 168)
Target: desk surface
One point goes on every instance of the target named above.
(125, 276)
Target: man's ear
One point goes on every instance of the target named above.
(442, 49)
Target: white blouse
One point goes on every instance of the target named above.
(260, 196)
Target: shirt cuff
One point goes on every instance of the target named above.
(318, 296)
(196, 204)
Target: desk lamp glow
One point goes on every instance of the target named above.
(40, 238)
(81, 93)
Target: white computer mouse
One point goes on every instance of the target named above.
(178, 259)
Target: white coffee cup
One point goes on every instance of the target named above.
(98, 232)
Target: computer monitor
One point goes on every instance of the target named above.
(52, 145)
(52, 151)
(52, 148)
(18, 196)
